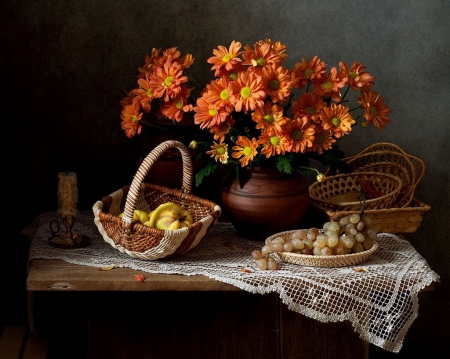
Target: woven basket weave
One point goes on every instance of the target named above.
(389, 158)
(341, 192)
(141, 241)
(343, 260)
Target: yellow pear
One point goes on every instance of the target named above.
(140, 216)
(170, 216)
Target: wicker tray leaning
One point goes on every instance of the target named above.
(344, 260)
(389, 158)
(144, 242)
(406, 214)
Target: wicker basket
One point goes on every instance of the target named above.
(389, 220)
(141, 241)
(389, 158)
(343, 260)
(341, 192)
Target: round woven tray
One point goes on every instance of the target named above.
(344, 260)
(341, 192)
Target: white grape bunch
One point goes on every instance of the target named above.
(351, 234)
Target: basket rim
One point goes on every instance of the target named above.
(316, 184)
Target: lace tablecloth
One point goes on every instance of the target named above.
(381, 302)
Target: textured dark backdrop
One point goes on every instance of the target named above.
(66, 64)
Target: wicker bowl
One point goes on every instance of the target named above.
(144, 242)
(341, 192)
(344, 260)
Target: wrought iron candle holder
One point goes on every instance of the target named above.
(67, 199)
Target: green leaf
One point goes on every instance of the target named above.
(284, 164)
(205, 171)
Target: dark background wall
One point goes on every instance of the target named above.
(66, 64)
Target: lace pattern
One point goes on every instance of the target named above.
(381, 302)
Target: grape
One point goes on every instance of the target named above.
(297, 243)
(316, 251)
(261, 264)
(300, 234)
(325, 226)
(268, 248)
(354, 218)
(256, 254)
(326, 251)
(344, 220)
(321, 241)
(308, 242)
(277, 247)
(307, 251)
(360, 237)
(312, 233)
(338, 249)
(347, 241)
(368, 243)
(360, 226)
(358, 248)
(332, 240)
(288, 247)
(334, 227)
(271, 264)
(371, 233)
(278, 240)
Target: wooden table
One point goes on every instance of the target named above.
(89, 313)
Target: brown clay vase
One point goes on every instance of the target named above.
(265, 203)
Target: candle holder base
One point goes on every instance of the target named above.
(66, 241)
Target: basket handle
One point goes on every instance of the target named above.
(145, 166)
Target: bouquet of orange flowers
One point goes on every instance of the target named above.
(162, 99)
(259, 113)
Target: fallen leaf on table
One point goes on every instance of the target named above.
(362, 270)
(139, 277)
(107, 268)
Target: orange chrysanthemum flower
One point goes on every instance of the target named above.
(208, 114)
(323, 140)
(330, 86)
(276, 144)
(219, 92)
(131, 116)
(357, 77)
(166, 80)
(376, 110)
(337, 119)
(245, 149)
(177, 107)
(270, 117)
(278, 82)
(219, 151)
(144, 93)
(277, 46)
(262, 54)
(221, 130)
(247, 92)
(227, 58)
(300, 134)
(308, 104)
(151, 62)
(308, 72)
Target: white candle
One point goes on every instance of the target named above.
(67, 194)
